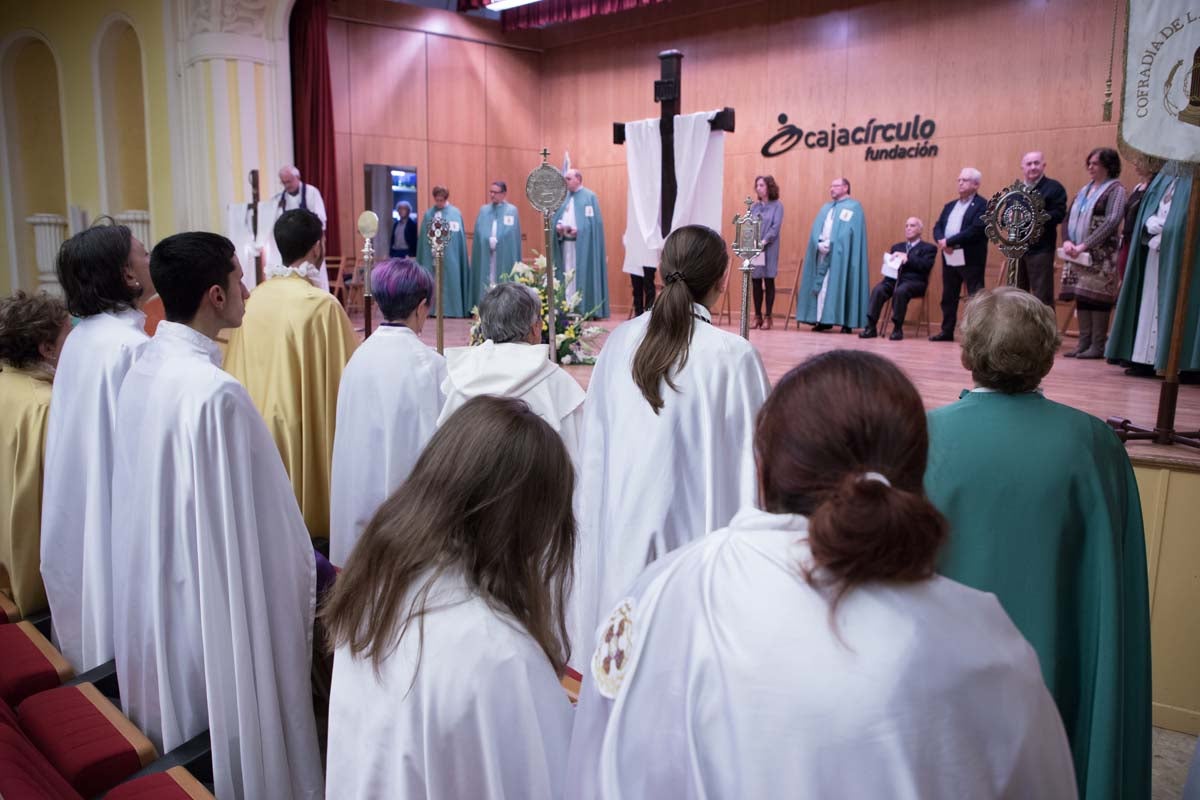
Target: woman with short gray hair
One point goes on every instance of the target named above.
(512, 362)
(1045, 514)
(511, 312)
(1009, 340)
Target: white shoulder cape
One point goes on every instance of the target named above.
(652, 483)
(80, 438)
(720, 676)
(215, 584)
(387, 411)
(485, 718)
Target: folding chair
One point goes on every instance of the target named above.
(792, 293)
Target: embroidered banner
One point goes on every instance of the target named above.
(1161, 105)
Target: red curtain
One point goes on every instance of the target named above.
(553, 12)
(312, 109)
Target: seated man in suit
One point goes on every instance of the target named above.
(915, 259)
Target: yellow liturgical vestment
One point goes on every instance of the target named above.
(25, 397)
(289, 353)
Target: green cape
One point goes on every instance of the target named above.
(1044, 513)
(845, 269)
(456, 292)
(591, 260)
(1124, 329)
(508, 245)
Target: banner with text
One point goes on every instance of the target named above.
(1161, 109)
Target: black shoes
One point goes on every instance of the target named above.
(821, 327)
(896, 335)
(869, 332)
(847, 329)
(942, 336)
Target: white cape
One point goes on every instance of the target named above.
(215, 587)
(387, 411)
(76, 544)
(652, 483)
(485, 718)
(523, 371)
(731, 683)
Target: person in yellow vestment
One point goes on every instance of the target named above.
(289, 353)
(32, 331)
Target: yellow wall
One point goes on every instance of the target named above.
(124, 119)
(33, 130)
(1170, 508)
(71, 28)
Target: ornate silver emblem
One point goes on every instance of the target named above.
(546, 188)
(1015, 218)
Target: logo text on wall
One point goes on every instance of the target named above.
(885, 141)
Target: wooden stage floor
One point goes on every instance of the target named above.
(1092, 386)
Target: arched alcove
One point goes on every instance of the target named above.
(33, 142)
(120, 106)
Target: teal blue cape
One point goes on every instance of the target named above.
(591, 260)
(457, 297)
(845, 269)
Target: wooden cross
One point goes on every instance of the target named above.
(667, 92)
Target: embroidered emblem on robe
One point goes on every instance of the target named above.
(614, 650)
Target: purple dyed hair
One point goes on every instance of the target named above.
(398, 286)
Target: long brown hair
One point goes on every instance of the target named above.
(693, 262)
(490, 497)
(829, 422)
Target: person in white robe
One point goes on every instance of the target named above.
(512, 362)
(808, 648)
(667, 432)
(215, 588)
(448, 622)
(105, 275)
(298, 194)
(388, 404)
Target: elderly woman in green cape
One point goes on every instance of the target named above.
(1044, 513)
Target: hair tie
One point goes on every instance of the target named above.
(875, 476)
(674, 276)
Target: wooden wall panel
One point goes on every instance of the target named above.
(388, 82)
(998, 78)
(456, 91)
(513, 102)
(461, 168)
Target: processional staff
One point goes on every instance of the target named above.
(439, 236)
(1015, 218)
(546, 189)
(368, 226)
(747, 244)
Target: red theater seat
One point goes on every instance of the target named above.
(25, 774)
(87, 739)
(174, 784)
(30, 663)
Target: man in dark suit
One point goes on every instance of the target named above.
(960, 236)
(1035, 272)
(915, 259)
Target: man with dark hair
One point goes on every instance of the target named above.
(289, 353)
(105, 274)
(214, 592)
(387, 406)
(497, 244)
(457, 294)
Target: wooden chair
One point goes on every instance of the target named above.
(352, 284)
(333, 269)
(885, 315)
(792, 293)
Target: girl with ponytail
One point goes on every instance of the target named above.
(668, 424)
(809, 649)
